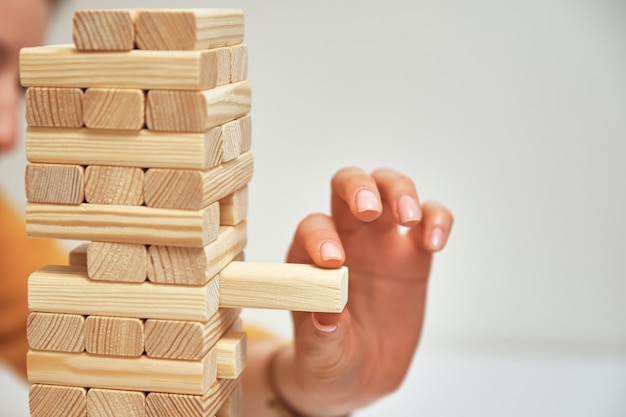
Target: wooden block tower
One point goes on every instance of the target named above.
(138, 141)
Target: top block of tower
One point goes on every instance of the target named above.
(186, 29)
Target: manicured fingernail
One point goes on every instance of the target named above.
(408, 209)
(330, 251)
(436, 238)
(326, 328)
(367, 201)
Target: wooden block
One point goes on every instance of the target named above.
(295, 287)
(144, 149)
(54, 107)
(124, 224)
(116, 336)
(238, 63)
(68, 289)
(56, 332)
(193, 189)
(65, 66)
(114, 108)
(231, 355)
(189, 29)
(115, 403)
(116, 372)
(245, 123)
(176, 339)
(78, 255)
(114, 185)
(196, 266)
(231, 140)
(234, 207)
(55, 184)
(232, 406)
(104, 30)
(55, 401)
(197, 111)
(173, 405)
(109, 261)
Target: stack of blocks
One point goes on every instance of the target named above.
(139, 141)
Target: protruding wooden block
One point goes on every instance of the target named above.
(193, 190)
(54, 107)
(234, 207)
(144, 149)
(189, 29)
(114, 108)
(231, 355)
(174, 405)
(115, 403)
(232, 406)
(114, 185)
(246, 133)
(116, 336)
(124, 224)
(238, 63)
(109, 261)
(67, 289)
(196, 266)
(197, 111)
(55, 184)
(78, 255)
(231, 140)
(176, 339)
(116, 372)
(55, 401)
(56, 332)
(104, 30)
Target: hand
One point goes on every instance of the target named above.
(341, 362)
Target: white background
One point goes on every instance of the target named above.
(511, 113)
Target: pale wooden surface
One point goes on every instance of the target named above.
(110, 261)
(104, 30)
(174, 405)
(116, 336)
(245, 124)
(145, 149)
(56, 332)
(78, 255)
(125, 224)
(68, 289)
(231, 140)
(54, 107)
(192, 189)
(177, 339)
(65, 66)
(54, 401)
(196, 266)
(238, 63)
(115, 403)
(232, 406)
(55, 183)
(114, 185)
(234, 207)
(231, 354)
(189, 29)
(114, 108)
(197, 111)
(116, 372)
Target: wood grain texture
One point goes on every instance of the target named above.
(104, 30)
(245, 124)
(238, 63)
(234, 207)
(197, 111)
(78, 255)
(68, 289)
(231, 354)
(196, 266)
(116, 336)
(114, 185)
(233, 405)
(295, 287)
(124, 224)
(189, 29)
(176, 339)
(56, 332)
(144, 149)
(115, 403)
(173, 405)
(193, 189)
(65, 66)
(54, 107)
(115, 372)
(110, 261)
(231, 140)
(114, 108)
(55, 401)
(55, 183)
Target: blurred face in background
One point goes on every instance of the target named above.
(22, 23)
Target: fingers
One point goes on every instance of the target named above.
(316, 241)
(431, 234)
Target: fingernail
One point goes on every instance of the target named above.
(326, 328)
(408, 209)
(366, 201)
(329, 251)
(436, 238)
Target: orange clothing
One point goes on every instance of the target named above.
(19, 256)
